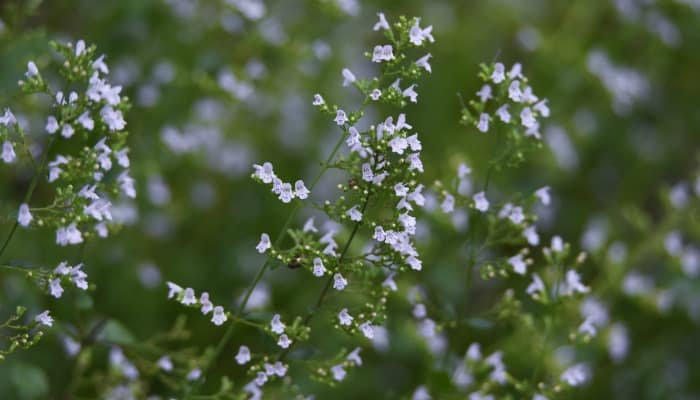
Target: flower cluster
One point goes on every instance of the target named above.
(188, 297)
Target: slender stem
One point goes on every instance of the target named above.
(17, 269)
(327, 286)
(28, 195)
(261, 271)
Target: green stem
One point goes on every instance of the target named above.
(28, 195)
(329, 282)
(261, 271)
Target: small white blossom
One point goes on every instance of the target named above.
(354, 357)
(338, 372)
(367, 330)
(344, 317)
(243, 355)
(284, 341)
(417, 34)
(339, 282)
(543, 194)
(32, 70)
(503, 113)
(516, 215)
(423, 62)
(309, 225)
(319, 268)
(411, 93)
(189, 298)
(354, 214)
(173, 290)
(264, 172)
(483, 124)
(207, 306)
(55, 288)
(519, 265)
(576, 374)
(382, 23)
(24, 217)
(542, 109)
(300, 190)
(276, 324)
(318, 100)
(165, 363)
(514, 92)
(44, 318)
(382, 53)
(85, 121)
(485, 93)
(531, 236)
(219, 316)
(498, 74)
(557, 244)
(264, 243)
(480, 202)
(340, 117)
(348, 77)
(527, 118)
(375, 94)
(51, 125)
(8, 152)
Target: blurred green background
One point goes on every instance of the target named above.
(622, 82)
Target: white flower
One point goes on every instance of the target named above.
(8, 152)
(194, 374)
(286, 194)
(503, 113)
(309, 225)
(448, 205)
(367, 330)
(318, 100)
(344, 317)
(8, 118)
(527, 118)
(113, 118)
(480, 202)
(24, 217)
(207, 306)
(573, 284)
(55, 288)
(86, 121)
(264, 243)
(543, 194)
(498, 74)
(68, 235)
(276, 324)
(32, 70)
(319, 268)
(417, 34)
(419, 311)
(375, 94)
(483, 124)
(51, 125)
(261, 378)
(348, 77)
(516, 215)
(542, 108)
(576, 374)
(44, 318)
(265, 172)
(338, 372)
(382, 53)
(122, 157)
(423, 62)
(411, 93)
(173, 289)
(516, 72)
(219, 316)
(557, 244)
(189, 298)
(398, 145)
(165, 363)
(531, 235)
(354, 214)
(340, 117)
(339, 282)
(300, 190)
(284, 341)
(354, 356)
(514, 92)
(382, 24)
(519, 265)
(485, 93)
(243, 355)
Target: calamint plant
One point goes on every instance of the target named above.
(79, 161)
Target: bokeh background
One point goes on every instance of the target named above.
(219, 85)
